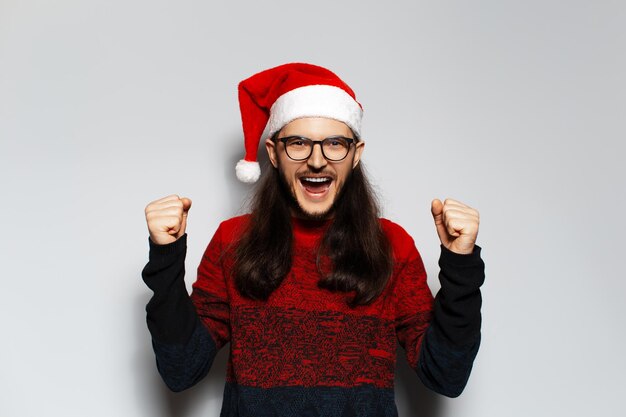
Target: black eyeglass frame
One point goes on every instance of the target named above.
(321, 143)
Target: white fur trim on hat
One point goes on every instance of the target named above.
(315, 101)
(248, 171)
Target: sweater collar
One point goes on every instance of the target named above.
(307, 227)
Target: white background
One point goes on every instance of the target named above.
(515, 108)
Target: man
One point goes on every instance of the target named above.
(312, 289)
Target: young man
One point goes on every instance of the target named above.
(312, 289)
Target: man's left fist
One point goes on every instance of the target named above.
(457, 225)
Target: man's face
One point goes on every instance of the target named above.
(304, 178)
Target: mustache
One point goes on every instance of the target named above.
(310, 173)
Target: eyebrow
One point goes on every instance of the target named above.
(327, 137)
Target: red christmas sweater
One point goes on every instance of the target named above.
(304, 351)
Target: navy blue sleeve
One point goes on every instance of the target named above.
(183, 347)
(452, 339)
(183, 365)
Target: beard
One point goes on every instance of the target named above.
(290, 196)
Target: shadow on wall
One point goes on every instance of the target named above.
(412, 397)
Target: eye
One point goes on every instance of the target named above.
(297, 143)
(336, 143)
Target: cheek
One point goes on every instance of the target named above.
(342, 175)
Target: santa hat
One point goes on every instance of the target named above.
(278, 95)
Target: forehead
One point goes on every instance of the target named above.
(315, 127)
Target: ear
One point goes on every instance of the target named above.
(270, 146)
(360, 146)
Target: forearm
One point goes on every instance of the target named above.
(170, 314)
(183, 347)
(182, 365)
(451, 342)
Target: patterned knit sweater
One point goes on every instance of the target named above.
(304, 352)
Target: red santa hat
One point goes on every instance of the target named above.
(278, 95)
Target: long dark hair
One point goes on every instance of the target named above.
(359, 251)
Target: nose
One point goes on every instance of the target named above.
(317, 160)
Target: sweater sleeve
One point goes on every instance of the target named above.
(182, 341)
(441, 335)
(452, 339)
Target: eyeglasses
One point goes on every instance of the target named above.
(334, 148)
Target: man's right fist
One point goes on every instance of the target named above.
(167, 218)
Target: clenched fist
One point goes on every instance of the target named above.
(167, 218)
(457, 225)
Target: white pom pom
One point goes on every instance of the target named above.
(248, 171)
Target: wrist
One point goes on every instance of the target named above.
(158, 251)
(461, 259)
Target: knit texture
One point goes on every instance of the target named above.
(304, 351)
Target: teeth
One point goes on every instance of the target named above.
(315, 179)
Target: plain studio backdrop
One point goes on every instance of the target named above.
(515, 108)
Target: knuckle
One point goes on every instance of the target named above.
(150, 206)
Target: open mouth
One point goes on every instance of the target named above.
(316, 186)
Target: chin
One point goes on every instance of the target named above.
(318, 210)
(313, 212)
(315, 215)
